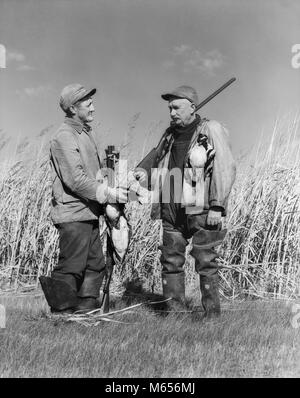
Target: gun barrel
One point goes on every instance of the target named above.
(110, 150)
(215, 93)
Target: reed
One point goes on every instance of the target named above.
(260, 255)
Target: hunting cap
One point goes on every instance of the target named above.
(182, 92)
(72, 94)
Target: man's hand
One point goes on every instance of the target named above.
(140, 175)
(214, 217)
(117, 195)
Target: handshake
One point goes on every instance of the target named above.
(123, 191)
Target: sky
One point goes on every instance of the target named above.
(132, 51)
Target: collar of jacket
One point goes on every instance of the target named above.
(169, 137)
(79, 127)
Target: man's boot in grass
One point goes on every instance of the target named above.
(174, 288)
(61, 296)
(204, 242)
(89, 291)
(210, 298)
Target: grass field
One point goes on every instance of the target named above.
(251, 339)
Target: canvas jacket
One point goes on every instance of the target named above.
(75, 162)
(213, 189)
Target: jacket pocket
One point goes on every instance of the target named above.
(57, 190)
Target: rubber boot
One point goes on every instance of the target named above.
(174, 287)
(210, 298)
(60, 295)
(89, 291)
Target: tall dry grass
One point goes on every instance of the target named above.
(260, 253)
(262, 247)
(28, 241)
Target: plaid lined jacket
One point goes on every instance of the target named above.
(214, 182)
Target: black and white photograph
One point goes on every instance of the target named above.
(150, 192)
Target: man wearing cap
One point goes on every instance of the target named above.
(76, 192)
(193, 204)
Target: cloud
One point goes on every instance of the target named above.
(35, 92)
(168, 64)
(191, 59)
(25, 68)
(17, 58)
(181, 50)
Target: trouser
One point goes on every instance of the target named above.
(204, 240)
(81, 262)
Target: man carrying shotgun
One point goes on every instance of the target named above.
(196, 152)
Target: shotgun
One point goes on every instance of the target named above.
(111, 158)
(151, 160)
